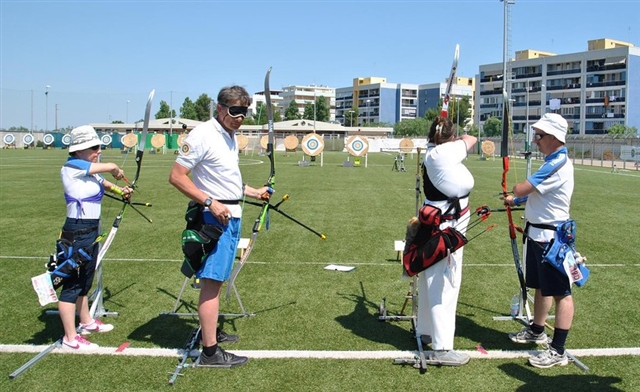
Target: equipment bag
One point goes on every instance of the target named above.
(67, 261)
(426, 244)
(561, 253)
(198, 239)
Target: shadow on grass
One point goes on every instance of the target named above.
(365, 324)
(165, 331)
(534, 382)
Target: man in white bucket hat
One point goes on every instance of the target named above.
(547, 194)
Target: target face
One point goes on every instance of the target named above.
(9, 138)
(27, 139)
(106, 140)
(312, 144)
(129, 140)
(66, 139)
(358, 146)
(47, 139)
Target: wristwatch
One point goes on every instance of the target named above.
(208, 202)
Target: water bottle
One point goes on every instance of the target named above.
(515, 306)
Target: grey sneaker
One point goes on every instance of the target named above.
(221, 359)
(426, 339)
(447, 358)
(223, 337)
(549, 358)
(526, 335)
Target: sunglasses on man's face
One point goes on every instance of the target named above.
(236, 111)
(539, 136)
(94, 148)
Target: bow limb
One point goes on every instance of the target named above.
(505, 191)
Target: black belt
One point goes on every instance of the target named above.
(229, 202)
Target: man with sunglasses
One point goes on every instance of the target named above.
(210, 155)
(547, 194)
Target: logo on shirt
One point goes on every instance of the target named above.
(185, 149)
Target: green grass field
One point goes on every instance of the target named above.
(298, 304)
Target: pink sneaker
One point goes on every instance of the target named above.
(79, 343)
(93, 327)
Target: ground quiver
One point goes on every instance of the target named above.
(198, 239)
(426, 243)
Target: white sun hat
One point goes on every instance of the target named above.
(83, 137)
(553, 124)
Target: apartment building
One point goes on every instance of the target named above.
(593, 90)
(303, 95)
(429, 95)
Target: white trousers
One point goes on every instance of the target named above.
(438, 291)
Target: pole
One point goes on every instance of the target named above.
(127, 117)
(56, 113)
(31, 129)
(46, 108)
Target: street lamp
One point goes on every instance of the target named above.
(127, 117)
(46, 108)
(351, 114)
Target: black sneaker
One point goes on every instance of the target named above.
(223, 337)
(221, 359)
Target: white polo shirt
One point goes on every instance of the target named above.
(211, 154)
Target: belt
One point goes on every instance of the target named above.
(229, 202)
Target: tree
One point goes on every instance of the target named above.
(202, 108)
(322, 110)
(351, 117)
(292, 112)
(188, 109)
(164, 111)
(431, 114)
(621, 129)
(492, 127)
(412, 127)
(260, 117)
(473, 130)
(308, 111)
(456, 104)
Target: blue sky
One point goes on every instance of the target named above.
(97, 55)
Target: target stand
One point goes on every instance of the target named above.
(312, 145)
(398, 163)
(357, 146)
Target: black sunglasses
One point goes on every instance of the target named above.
(95, 148)
(539, 136)
(236, 111)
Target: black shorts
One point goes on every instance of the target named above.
(544, 276)
(80, 284)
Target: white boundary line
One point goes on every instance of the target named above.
(305, 354)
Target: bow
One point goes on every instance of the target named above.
(504, 152)
(264, 211)
(125, 202)
(263, 217)
(452, 75)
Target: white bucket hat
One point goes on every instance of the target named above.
(83, 137)
(553, 124)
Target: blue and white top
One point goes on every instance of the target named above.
(83, 192)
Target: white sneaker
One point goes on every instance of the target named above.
(93, 327)
(79, 343)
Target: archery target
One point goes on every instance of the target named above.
(264, 141)
(357, 146)
(27, 139)
(47, 139)
(9, 139)
(242, 141)
(106, 140)
(406, 145)
(488, 147)
(158, 140)
(66, 139)
(291, 142)
(181, 139)
(312, 144)
(129, 140)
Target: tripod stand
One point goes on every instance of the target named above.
(398, 163)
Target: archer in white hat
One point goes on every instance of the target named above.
(547, 195)
(84, 188)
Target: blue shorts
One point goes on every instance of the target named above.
(544, 276)
(80, 284)
(219, 263)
